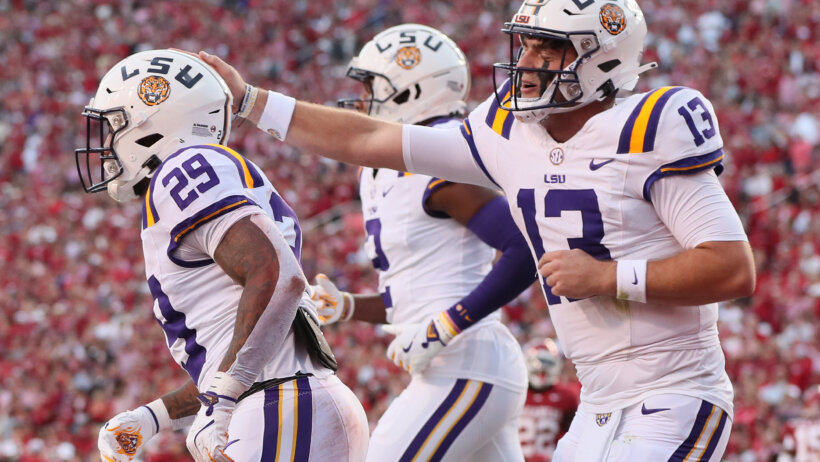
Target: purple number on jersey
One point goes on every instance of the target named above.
(193, 172)
(693, 105)
(374, 228)
(557, 201)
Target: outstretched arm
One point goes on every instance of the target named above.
(339, 134)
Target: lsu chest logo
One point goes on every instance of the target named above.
(613, 18)
(408, 57)
(154, 90)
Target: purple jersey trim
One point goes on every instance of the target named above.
(281, 209)
(387, 299)
(493, 113)
(210, 213)
(685, 166)
(175, 329)
(467, 132)
(432, 186)
(237, 159)
(654, 120)
(651, 128)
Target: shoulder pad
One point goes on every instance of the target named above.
(672, 131)
(499, 119)
(671, 121)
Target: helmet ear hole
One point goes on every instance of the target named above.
(609, 65)
(150, 140)
(402, 97)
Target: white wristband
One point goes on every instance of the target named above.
(632, 280)
(160, 413)
(350, 306)
(277, 115)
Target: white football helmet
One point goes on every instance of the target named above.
(544, 363)
(148, 106)
(607, 35)
(413, 73)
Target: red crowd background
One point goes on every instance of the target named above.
(78, 342)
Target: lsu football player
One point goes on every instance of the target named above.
(221, 254)
(432, 243)
(619, 200)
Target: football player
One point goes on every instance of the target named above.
(620, 203)
(432, 242)
(222, 260)
(550, 405)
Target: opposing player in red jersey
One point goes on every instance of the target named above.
(801, 438)
(550, 405)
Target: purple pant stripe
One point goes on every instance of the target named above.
(700, 422)
(305, 426)
(710, 449)
(461, 424)
(270, 441)
(431, 423)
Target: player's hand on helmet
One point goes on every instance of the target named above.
(229, 74)
(124, 435)
(415, 345)
(332, 304)
(208, 439)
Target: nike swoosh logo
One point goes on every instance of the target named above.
(646, 411)
(407, 349)
(635, 273)
(593, 166)
(384, 193)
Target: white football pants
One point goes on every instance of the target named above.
(455, 420)
(667, 427)
(307, 419)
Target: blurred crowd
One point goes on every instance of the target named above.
(78, 341)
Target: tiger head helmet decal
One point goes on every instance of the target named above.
(613, 18)
(408, 57)
(154, 89)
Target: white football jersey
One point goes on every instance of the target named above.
(594, 193)
(426, 263)
(195, 301)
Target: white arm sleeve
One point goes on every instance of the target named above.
(442, 153)
(696, 209)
